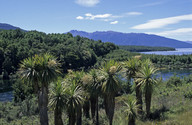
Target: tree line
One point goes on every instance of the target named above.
(160, 61)
(170, 61)
(145, 48)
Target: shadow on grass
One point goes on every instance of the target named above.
(158, 114)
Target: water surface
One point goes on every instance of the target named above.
(178, 51)
(166, 74)
(6, 96)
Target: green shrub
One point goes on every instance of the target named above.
(188, 95)
(174, 81)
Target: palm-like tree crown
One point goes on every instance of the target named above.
(131, 108)
(145, 76)
(109, 71)
(92, 81)
(74, 93)
(129, 105)
(131, 67)
(39, 69)
(57, 96)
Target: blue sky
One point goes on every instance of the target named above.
(169, 18)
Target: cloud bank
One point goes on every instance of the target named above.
(159, 23)
(184, 33)
(179, 31)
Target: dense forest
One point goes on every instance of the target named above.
(16, 45)
(145, 48)
(60, 79)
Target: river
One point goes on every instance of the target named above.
(178, 51)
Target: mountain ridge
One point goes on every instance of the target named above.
(6, 26)
(119, 38)
(137, 39)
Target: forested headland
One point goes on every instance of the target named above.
(60, 79)
(145, 48)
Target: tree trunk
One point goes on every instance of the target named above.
(43, 102)
(86, 108)
(109, 101)
(79, 115)
(128, 90)
(97, 111)
(139, 99)
(148, 95)
(131, 122)
(58, 116)
(72, 118)
(93, 107)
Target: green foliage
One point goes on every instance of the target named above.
(70, 94)
(119, 55)
(39, 70)
(131, 67)
(188, 95)
(110, 71)
(168, 105)
(21, 90)
(16, 45)
(10, 112)
(57, 96)
(174, 81)
(145, 79)
(170, 61)
(129, 108)
(145, 48)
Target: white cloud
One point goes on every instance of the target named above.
(88, 14)
(151, 4)
(80, 18)
(180, 34)
(107, 17)
(174, 32)
(87, 3)
(114, 22)
(158, 23)
(99, 16)
(134, 13)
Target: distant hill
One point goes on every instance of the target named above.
(137, 39)
(189, 42)
(5, 26)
